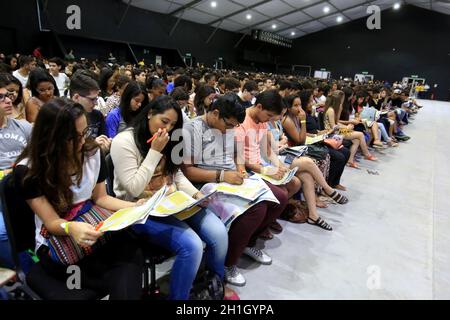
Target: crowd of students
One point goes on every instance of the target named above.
(57, 127)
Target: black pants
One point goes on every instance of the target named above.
(114, 269)
(338, 160)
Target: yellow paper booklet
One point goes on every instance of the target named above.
(160, 205)
(312, 140)
(286, 178)
(249, 190)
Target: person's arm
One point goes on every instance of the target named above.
(134, 176)
(31, 110)
(103, 200)
(298, 137)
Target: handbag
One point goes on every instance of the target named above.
(317, 151)
(64, 249)
(334, 142)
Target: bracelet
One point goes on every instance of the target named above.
(222, 175)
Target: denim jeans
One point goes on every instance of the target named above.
(5, 249)
(184, 238)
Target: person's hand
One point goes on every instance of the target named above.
(200, 195)
(234, 177)
(302, 114)
(104, 142)
(140, 202)
(161, 140)
(350, 127)
(278, 174)
(83, 233)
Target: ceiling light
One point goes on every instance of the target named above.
(339, 19)
(274, 26)
(293, 33)
(397, 6)
(214, 4)
(248, 16)
(326, 9)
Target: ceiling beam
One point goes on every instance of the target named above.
(186, 6)
(239, 11)
(327, 15)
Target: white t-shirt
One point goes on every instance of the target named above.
(23, 80)
(91, 172)
(62, 81)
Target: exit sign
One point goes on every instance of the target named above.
(365, 72)
(323, 69)
(188, 55)
(414, 76)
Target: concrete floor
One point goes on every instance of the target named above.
(391, 241)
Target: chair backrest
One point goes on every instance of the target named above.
(110, 179)
(19, 218)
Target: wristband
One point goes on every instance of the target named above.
(218, 176)
(65, 226)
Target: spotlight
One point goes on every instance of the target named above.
(213, 4)
(397, 6)
(248, 16)
(339, 19)
(326, 9)
(274, 26)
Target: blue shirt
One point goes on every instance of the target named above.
(170, 87)
(113, 120)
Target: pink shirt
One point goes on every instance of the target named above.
(252, 136)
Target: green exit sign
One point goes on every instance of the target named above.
(220, 59)
(323, 69)
(414, 76)
(365, 72)
(188, 55)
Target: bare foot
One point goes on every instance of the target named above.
(230, 294)
(341, 187)
(321, 204)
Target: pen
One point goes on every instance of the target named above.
(99, 226)
(152, 138)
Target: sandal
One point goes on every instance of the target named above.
(339, 198)
(352, 165)
(320, 223)
(371, 158)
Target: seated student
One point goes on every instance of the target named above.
(85, 90)
(107, 82)
(333, 108)
(375, 102)
(62, 80)
(61, 169)
(14, 136)
(180, 95)
(204, 97)
(257, 140)
(43, 89)
(134, 96)
(249, 93)
(114, 100)
(210, 152)
(294, 125)
(155, 87)
(338, 158)
(14, 88)
(141, 169)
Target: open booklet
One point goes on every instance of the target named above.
(286, 178)
(250, 190)
(230, 205)
(161, 204)
(295, 151)
(312, 140)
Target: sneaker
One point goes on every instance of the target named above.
(234, 277)
(258, 255)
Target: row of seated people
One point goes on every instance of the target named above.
(68, 136)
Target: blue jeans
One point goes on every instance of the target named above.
(184, 238)
(5, 249)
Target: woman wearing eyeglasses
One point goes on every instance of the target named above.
(42, 87)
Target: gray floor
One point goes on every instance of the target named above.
(390, 241)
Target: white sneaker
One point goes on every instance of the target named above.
(258, 255)
(234, 277)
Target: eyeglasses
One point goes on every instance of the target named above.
(93, 100)
(52, 88)
(254, 93)
(85, 134)
(4, 95)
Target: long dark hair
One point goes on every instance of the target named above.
(132, 90)
(142, 129)
(51, 152)
(6, 79)
(37, 76)
(201, 94)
